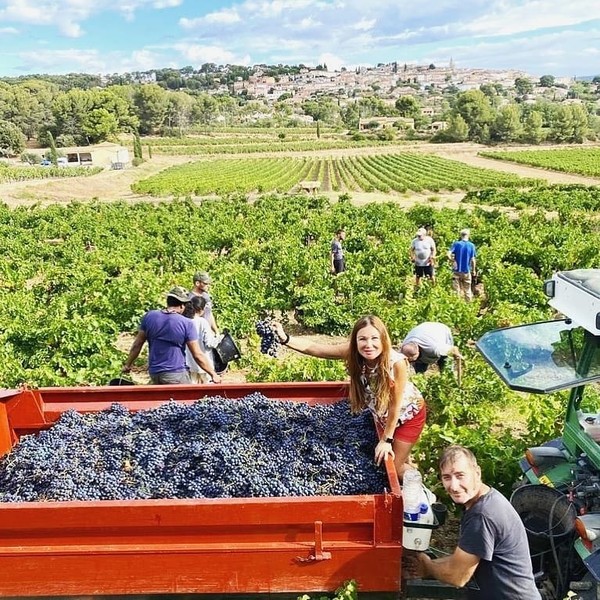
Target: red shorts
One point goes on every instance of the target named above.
(410, 431)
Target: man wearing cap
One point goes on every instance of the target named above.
(202, 282)
(430, 343)
(168, 333)
(422, 254)
(462, 256)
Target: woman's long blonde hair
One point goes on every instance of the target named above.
(355, 363)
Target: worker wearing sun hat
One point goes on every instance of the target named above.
(168, 333)
(422, 253)
(202, 283)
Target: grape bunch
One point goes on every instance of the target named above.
(211, 448)
(269, 344)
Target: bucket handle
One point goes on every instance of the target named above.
(439, 511)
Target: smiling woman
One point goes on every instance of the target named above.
(378, 382)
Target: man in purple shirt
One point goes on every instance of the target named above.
(168, 333)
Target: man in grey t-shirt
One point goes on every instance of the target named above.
(422, 254)
(492, 558)
(430, 343)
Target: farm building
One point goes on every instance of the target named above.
(106, 155)
(382, 122)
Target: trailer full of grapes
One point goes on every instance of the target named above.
(289, 544)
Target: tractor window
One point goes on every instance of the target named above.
(542, 357)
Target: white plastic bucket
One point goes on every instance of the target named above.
(417, 535)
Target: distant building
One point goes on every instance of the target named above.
(439, 125)
(106, 155)
(382, 122)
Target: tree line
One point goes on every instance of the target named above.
(35, 109)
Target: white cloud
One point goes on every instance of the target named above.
(550, 54)
(67, 15)
(333, 62)
(199, 54)
(365, 24)
(507, 18)
(9, 31)
(167, 3)
(70, 29)
(88, 61)
(224, 17)
(337, 32)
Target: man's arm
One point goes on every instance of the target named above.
(134, 352)
(213, 324)
(456, 569)
(455, 353)
(202, 361)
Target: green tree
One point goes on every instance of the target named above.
(569, 123)
(52, 153)
(118, 100)
(137, 147)
(532, 127)
(151, 104)
(179, 113)
(408, 106)
(12, 139)
(205, 110)
(39, 111)
(474, 107)
(70, 110)
(507, 124)
(457, 130)
(350, 115)
(523, 86)
(99, 125)
(547, 81)
(324, 109)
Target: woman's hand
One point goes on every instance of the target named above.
(382, 449)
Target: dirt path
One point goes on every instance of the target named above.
(116, 185)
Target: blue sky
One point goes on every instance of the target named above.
(557, 37)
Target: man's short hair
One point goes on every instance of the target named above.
(464, 232)
(451, 453)
(410, 350)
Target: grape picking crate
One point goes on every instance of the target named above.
(214, 546)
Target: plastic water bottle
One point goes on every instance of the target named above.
(412, 488)
(418, 514)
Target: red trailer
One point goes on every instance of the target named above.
(287, 545)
